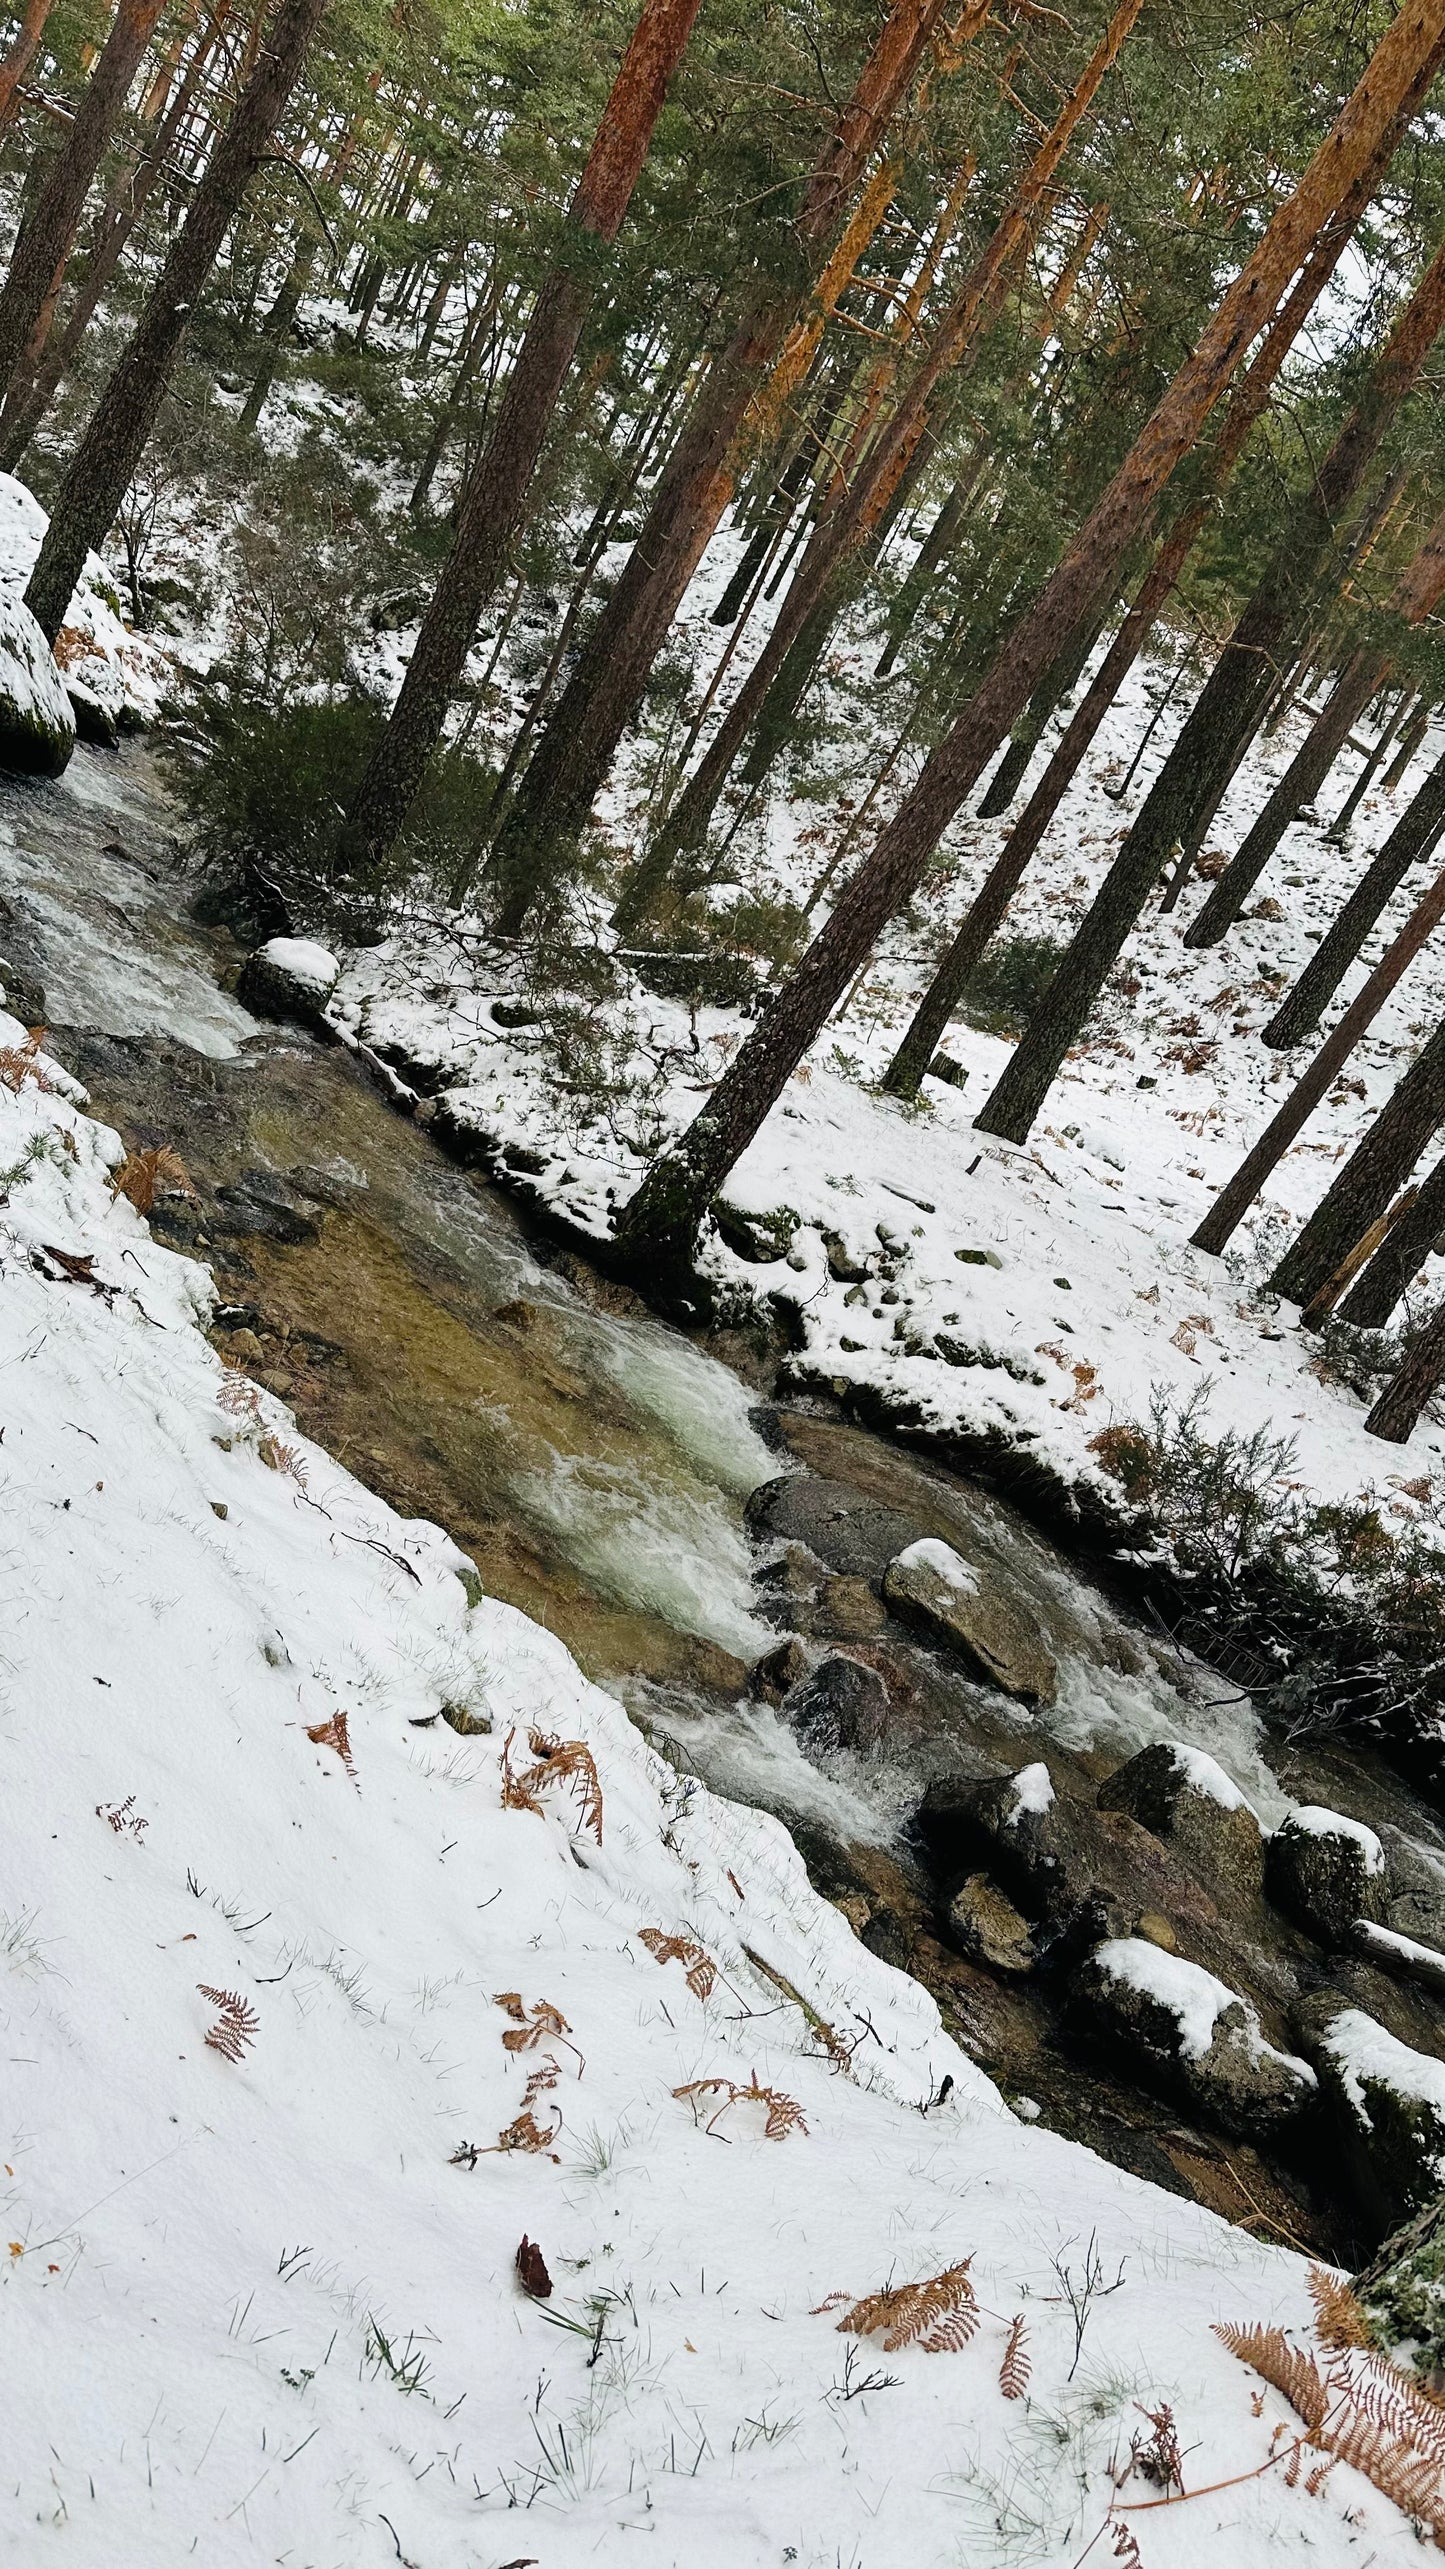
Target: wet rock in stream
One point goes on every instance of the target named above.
(1184, 1797)
(1196, 2037)
(930, 1586)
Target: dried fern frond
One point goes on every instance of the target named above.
(238, 1395)
(524, 2135)
(143, 1175)
(1339, 2320)
(1287, 2367)
(566, 1762)
(236, 2026)
(1017, 2365)
(1384, 2424)
(531, 2026)
(334, 1734)
(283, 1458)
(542, 2079)
(784, 2114)
(19, 1062)
(700, 1968)
(939, 2315)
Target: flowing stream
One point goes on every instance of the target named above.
(594, 1462)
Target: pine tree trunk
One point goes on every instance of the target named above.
(99, 473)
(46, 361)
(935, 549)
(1417, 593)
(767, 700)
(1359, 681)
(1371, 1177)
(1234, 1200)
(21, 55)
(1396, 1413)
(1217, 733)
(495, 494)
(1043, 704)
(1395, 713)
(1399, 1257)
(991, 902)
(45, 242)
(1413, 836)
(605, 692)
(1410, 739)
(663, 1215)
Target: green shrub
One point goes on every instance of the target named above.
(1007, 983)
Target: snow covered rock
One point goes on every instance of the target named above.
(988, 1928)
(933, 1588)
(1182, 1795)
(759, 1238)
(842, 1703)
(1388, 2104)
(37, 727)
(288, 977)
(1198, 2038)
(1403, 2288)
(1325, 1871)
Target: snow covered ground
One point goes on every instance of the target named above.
(316, 2002)
(1031, 1294)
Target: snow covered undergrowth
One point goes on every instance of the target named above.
(277, 1947)
(1001, 1295)
(99, 654)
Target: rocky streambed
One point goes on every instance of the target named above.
(1086, 1845)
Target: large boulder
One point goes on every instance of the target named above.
(933, 1588)
(1326, 1872)
(37, 726)
(1176, 2025)
(1388, 2105)
(288, 977)
(1181, 1795)
(844, 1528)
(842, 1703)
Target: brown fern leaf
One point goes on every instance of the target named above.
(1397, 2468)
(238, 1395)
(524, 2135)
(236, 2026)
(283, 1458)
(143, 1175)
(784, 2114)
(542, 2079)
(1126, 2549)
(1287, 2367)
(1017, 2365)
(19, 1062)
(939, 2316)
(1339, 2320)
(566, 1762)
(534, 2025)
(335, 1735)
(700, 1968)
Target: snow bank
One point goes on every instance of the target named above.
(1207, 1775)
(311, 2015)
(302, 960)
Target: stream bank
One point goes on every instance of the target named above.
(645, 1500)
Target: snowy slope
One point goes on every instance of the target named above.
(1031, 1294)
(254, 2308)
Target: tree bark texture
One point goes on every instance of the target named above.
(100, 471)
(1372, 1175)
(665, 1211)
(21, 55)
(1234, 1200)
(1195, 775)
(1396, 1413)
(45, 241)
(495, 495)
(1400, 1255)
(1413, 836)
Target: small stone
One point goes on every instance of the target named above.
(1157, 1931)
(468, 1725)
(219, 1508)
(988, 1928)
(843, 1266)
(244, 1347)
(943, 1066)
(849, 1610)
(779, 1669)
